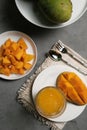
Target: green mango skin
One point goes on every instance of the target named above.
(57, 11)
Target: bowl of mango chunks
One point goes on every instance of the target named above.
(18, 55)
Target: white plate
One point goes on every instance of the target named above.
(15, 35)
(48, 78)
(26, 8)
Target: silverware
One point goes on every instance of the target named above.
(56, 56)
(65, 50)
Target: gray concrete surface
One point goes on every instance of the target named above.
(12, 115)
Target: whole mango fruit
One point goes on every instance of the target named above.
(57, 11)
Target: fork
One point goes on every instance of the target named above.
(61, 48)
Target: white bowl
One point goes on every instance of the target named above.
(26, 8)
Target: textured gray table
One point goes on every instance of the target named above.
(12, 115)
